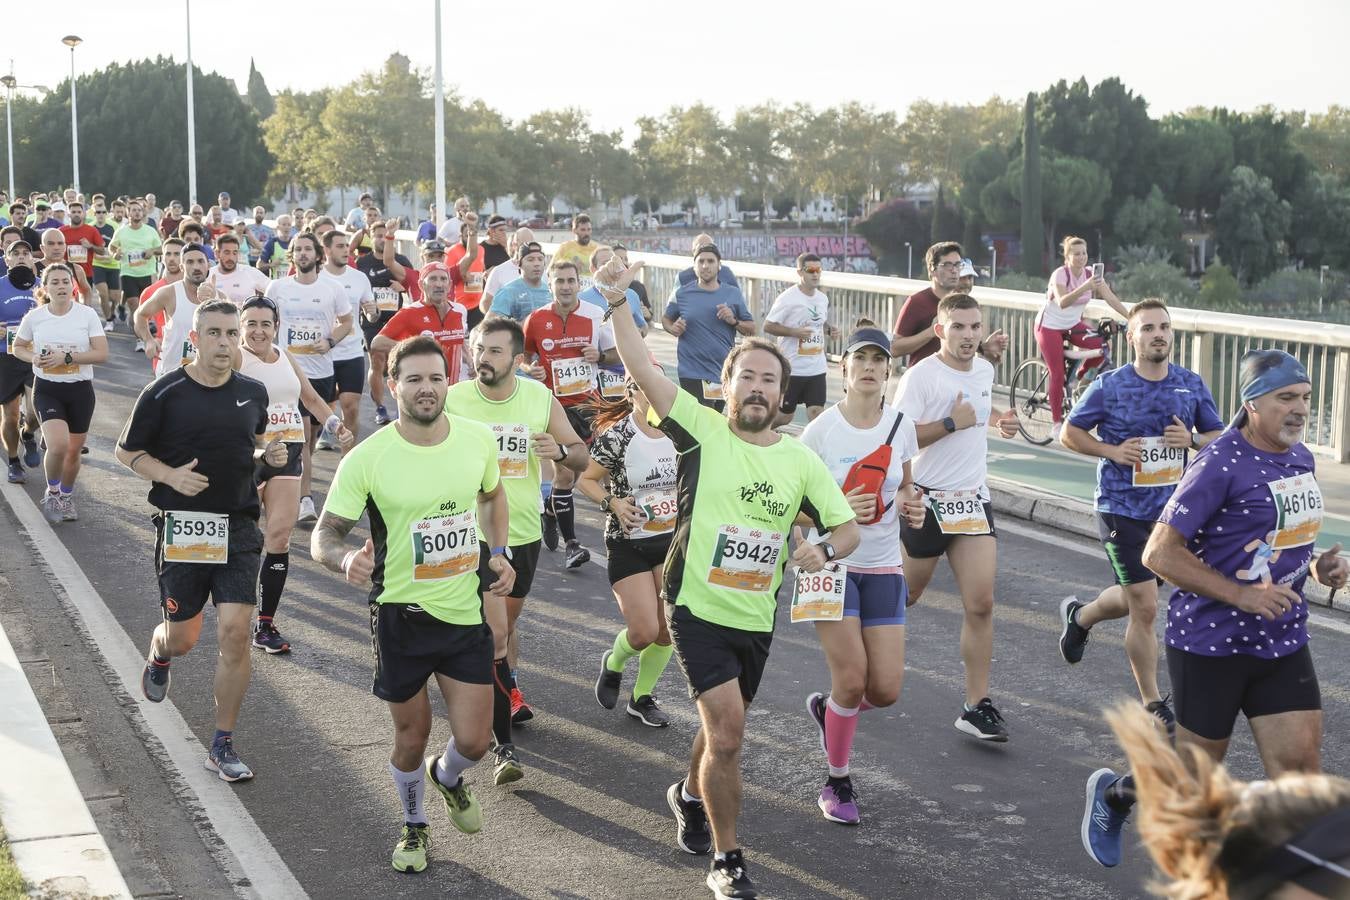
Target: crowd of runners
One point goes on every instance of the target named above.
(507, 383)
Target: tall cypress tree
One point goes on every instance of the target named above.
(259, 97)
(1033, 239)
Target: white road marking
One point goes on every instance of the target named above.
(248, 858)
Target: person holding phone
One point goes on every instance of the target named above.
(1071, 286)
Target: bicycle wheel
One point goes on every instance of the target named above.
(1027, 395)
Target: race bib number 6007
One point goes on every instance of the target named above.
(445, 546)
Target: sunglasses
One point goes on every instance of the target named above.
(811, 270)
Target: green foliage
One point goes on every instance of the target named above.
(1194, 161)
(1030, 195)
(1252, 223)
(368, 123)
(1287, 288)
(296, 138)
(1107, 124)
(888, 228)
(259, 97)
(1324, 139)
(945, 223)
(938, 138)
(1320, 222)
(1263, 142)
(1020, 281)
(1219, 289)
(1154, 279)
(1150, 222)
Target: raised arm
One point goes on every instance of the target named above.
(612, 279)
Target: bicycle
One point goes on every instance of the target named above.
(1028, 391)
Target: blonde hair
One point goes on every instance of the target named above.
(1201, 825)
(1068, 242)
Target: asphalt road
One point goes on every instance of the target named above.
(943, 815)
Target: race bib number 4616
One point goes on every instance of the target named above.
(744, 559)
(1298, 511)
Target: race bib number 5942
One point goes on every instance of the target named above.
(744, 559)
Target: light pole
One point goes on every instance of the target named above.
(191, 114)
(909, 260)
(440, 126)
(72, 41)
(993, 268)
(9, 82)
(1321, 282)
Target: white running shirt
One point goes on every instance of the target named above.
(927, 392)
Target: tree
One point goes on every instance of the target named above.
(259, 97)
(806, 146)
(946, 224)
(1030, 196)
(656, 172)
(938, 138)
(1072, 190)
(890, 226)
(295, 137)
(982, 168)
(1263, 141)
(551, 159)
(1324, 139)
(755, 144)
(1251, 225)
(865, 152)
(1219, 288)
(1150, 222)
(1195, 159)
(478, 159)
(1319, 228)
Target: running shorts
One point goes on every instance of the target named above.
(326, 388)
(1124, 540)
(1210, 691)
(711, 655)
(628, 558)
(411, 645)
(71, 402)
(185, 587)
(134, 285)
(876, 599)
(808, 389)
(929, 541)
(350, 375)
(263, 473)
(524, 559)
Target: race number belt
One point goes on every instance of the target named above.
(513, 448)
(572, 377)
(959, 512)
(445, 546)
(196, 537)
(1158, 464)
(744, 559)
(819, 596)
(659, 508)
(284, 424)
(1298, 511)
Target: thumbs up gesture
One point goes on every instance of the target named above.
(358, 564)
(963, 414)
(1177, 434)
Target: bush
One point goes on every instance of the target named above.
(1219, 289)
(1285, 289)
(1155, 279)
(1018, 281)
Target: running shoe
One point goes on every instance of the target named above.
(1163, 710)
(1073, 639)
(16, 473)
(382, 416)
(51, 507)
(66, 505)
(325, 441)
(815, 708)
(508, 767)
(108, 326)
(460, 803)
(226, 763)
(32, 458)
(122, 312)
(520, 710)
(155, 681)
(307, 511)
(647, 711)
(691, 821)
(983, 722)
(728, 879)
(577, 555)
(410, 853)
(266, 637)
(838, 802)
(140, 345)
(1101, 826)
(607, 685)
(550, 524)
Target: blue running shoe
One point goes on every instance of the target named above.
(31, 457)
(1102, 824)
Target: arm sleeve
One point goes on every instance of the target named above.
(394, 329)
(349, 491)
(741, 309)
(672, 308)
(143, 426)
(1090, 410)
(1203, 489)
(341, 305)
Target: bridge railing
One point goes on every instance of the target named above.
(1208, 343)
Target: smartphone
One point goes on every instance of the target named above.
(1097, 271)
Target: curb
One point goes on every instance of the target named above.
(51, 833)
(1078, 517)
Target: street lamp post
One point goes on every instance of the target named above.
(72, 41)
(1321, 284)
(9, 82)
(909, 260)
(439, 125)
(191, 114)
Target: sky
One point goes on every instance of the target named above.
(623, 60)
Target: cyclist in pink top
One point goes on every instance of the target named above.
(1071, 286)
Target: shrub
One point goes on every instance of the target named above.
(1219, 289)
(1155, 279)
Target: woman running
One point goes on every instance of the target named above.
(279, 488)
(62, 340)
(638, 461)
(865, 648)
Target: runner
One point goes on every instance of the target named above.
(742, 486)
(54, 253)
(578, 250)
(565, 341)
(261, 233)
(593, 296)
(84, 244)
(530, 426)
(234, 278)
(107, 271)
(171, 253)
(705, 316)
(506, 272)
(178, 303)
(948, 398)
(914, 333)
(387, 273)
(437, 316)
(449, 230)
(62, 340)
(518, 298)
(1146, 416)
(800, 319)
(863, 631)
(691, 275)
(17, 299)
(469, 260)
(638, 462)
(432, 484)
(349, 356)
(315, 316)
(196, 435)
(1237, 539)
(136, 245)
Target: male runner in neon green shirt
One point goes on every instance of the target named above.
(429, 485)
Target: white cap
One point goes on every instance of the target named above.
(967, 269)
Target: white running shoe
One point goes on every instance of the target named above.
(140, 345)
(307, 513)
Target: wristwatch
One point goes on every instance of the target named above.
(950, 424)
(70, 360)
(562, 453)
(828, 548)
(604, 504)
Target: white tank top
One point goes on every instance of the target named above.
(175, 349)
(283, 395)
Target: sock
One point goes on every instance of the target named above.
(66, 491)
(451, 764)
(53, 485)
(622, 652)
(720, 856)
(864, 706)
(161, 661)
(501, 701)
(515, 679)
(271, 581)
(220, 738)
(686, 796)
(1120, 794)
(546, 492)
(840, 725)
(562, 510)
(13, 460)
(411, 788)
(651, 663)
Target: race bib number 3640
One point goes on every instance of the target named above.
(1158, 463)
(744, 559)
(445, 546)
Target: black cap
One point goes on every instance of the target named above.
(707, 248)
(435, 245)
(868, 337)
(27, 246)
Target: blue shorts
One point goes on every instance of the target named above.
(876, 599)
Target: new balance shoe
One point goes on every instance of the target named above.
(984, 722)
(692, 833)
(1074, 637)
(155, 681)
(815, 708)
(1163, 710)
(647, 711)
(266, 637)
(550, 526)
(520, 710)
(307, 511)
(728, 879)
(508, 767)
(226, 763)
(607, 685)
(1102, 824)
(577, 555)
(460, 803)
(410, 853)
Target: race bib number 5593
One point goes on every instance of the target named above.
(196, 537)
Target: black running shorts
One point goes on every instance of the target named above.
(711, 655)
(411, 645)
(628, 558)
(185, 587)
(524, 559)
(71, 402)
(1210, 691)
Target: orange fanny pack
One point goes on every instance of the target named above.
(869, 473)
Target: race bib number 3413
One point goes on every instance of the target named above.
(744, 559)
(572, 377)
(445, 546)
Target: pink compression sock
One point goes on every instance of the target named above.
(840, 725)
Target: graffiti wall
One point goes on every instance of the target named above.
(781, 249)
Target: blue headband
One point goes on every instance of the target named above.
(1264, 371)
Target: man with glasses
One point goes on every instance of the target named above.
(913, 334)
(799, 318)
(173, 217)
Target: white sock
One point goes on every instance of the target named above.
(688, 797)
(411, 786)
(451, 764)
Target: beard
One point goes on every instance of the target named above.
(743, 410)
(421, 418)
(489, 376)
(306, 268)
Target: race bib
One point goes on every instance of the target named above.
(188, 353)
(61, 368)
(386, 299)
(473, 283)
(744, 559)
(1158, 464)
(572, 377)
(1298, 511)
(959, 512)
(302, 334)
(135, 256)
(10, 334)
(77, 253)
(712, 390)
(819, 596)
(196, 537)
(611, 384)
(659, 507)
(445, 546)
(284, 424)
(813, 345)
(513, 449)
